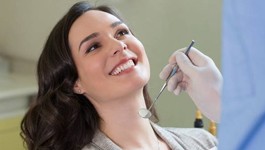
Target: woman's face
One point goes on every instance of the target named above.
(110, 61)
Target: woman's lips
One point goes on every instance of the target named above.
(124, 65)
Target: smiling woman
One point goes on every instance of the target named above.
(92, 76)
(62, 104)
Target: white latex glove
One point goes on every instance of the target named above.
(199, 77)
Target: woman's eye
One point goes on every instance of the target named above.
(122, 32)
(93, 47)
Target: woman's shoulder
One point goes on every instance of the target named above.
(193, 137)
(176, 138)
(186, 138)
(101, 142)
(194, 133)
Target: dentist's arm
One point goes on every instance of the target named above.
(199, 77)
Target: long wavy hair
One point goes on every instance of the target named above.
(59, 118)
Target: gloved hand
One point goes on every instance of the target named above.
(199, 77)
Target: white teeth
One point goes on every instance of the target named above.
(122, 67)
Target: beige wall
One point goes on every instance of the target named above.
(162, 25)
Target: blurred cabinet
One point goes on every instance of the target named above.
(10, 134)
(15, 93)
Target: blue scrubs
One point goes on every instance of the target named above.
(243, 67)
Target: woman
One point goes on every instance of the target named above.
(92, 77)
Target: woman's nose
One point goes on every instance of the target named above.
(118, 46)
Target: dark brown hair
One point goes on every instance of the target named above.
(59, 118)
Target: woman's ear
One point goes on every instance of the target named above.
(78, 89)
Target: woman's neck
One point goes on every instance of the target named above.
(123, 125)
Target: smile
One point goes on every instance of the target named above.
(125, 66)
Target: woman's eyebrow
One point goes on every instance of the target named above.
(94, 35)
(114, 24)
(91, 36)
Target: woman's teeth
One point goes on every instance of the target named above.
(122, 67)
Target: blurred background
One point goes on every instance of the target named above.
(162, 26)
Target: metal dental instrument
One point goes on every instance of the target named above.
(145, 113)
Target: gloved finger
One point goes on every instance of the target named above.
(178, 90)
(181, 87)
(174, 80)
(172, 58)
(185, 64)
(198, 58)
(166, 71)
